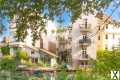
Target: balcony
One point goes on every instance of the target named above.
(84, 57)
(84, 42)
(85, 30)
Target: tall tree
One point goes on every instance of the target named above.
(34, 13)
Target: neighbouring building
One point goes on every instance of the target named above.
(101, 32)
(64, 47)
(35, 55)
(108, 36)
(58, 41)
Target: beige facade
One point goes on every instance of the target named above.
(109, 35)
(82, 55)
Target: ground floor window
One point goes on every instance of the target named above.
(35, 60)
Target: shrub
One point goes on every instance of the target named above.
(8, 63)
(5, 50)
(22, 55)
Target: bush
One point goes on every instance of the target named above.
(22, 55)
(6, 75)
(5, 50)
(62, 75)
(8, 63)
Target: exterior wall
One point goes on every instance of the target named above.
(49, 37)
(76, 36)
(52, 47)
(113, 36)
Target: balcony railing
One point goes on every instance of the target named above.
(84, 42)
(85, 30)
(85, 56)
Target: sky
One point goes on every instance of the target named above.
(115, 15)
(66, 19)
(6, 32)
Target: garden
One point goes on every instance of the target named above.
(99, 69)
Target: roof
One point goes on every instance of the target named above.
(49, 53)
(103, 17)
(22, 44)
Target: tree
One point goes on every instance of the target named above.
(1, 28)
(62, 75)
(8, 69)
(8, 63)
(21, 55)
(106, 61)
(33, 14)
(5, 50)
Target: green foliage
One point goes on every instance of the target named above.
(22, 55)
(106, 61)
(2, 28)
(5, 50)
(62, 75)
(32, 14)
(8, 63)
(60, 30)
(16, 75)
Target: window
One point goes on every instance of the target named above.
(99, 37)
(84, 37)
(36, 60)
(32, 52)
(98, 27)
(106, 47)
(113, 47)
(106, 26)
(82, 63)
(84, 51)
(86, 63)
(106, 36)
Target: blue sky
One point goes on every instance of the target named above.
(66, 19)
(116, 14)
(6, 32)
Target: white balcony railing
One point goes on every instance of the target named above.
(84, 29)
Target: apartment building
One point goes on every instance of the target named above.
(83, 45)
(108, 36)
(64, 47)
